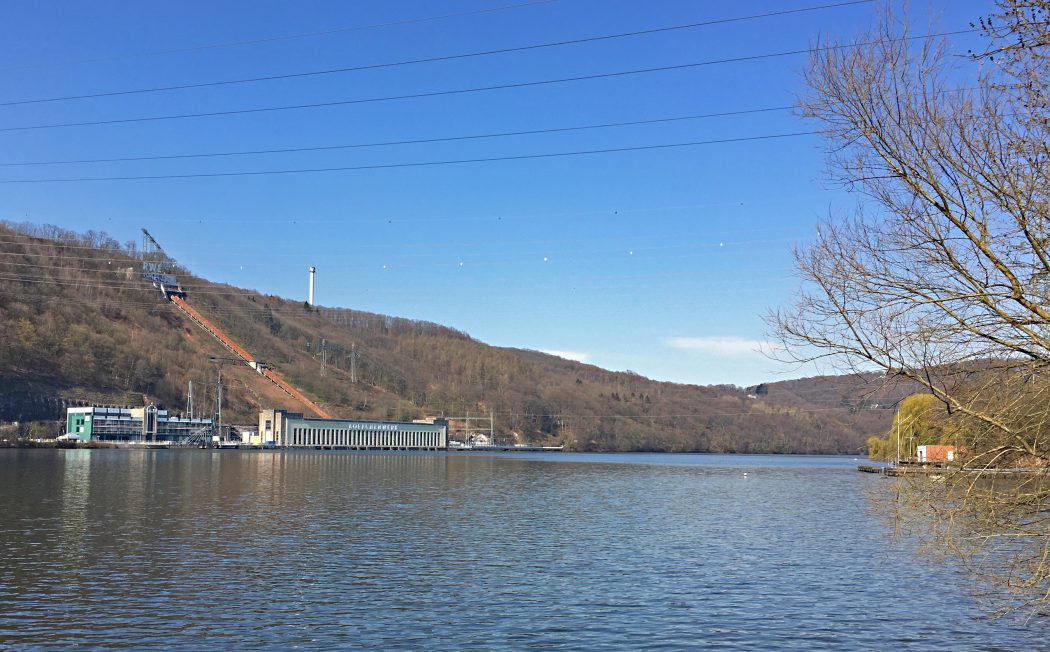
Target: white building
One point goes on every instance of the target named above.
(292, 430)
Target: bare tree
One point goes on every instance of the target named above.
(942, 276)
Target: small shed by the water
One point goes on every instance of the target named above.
(929, 453)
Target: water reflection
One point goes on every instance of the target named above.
(76, 488)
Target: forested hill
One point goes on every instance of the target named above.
(79, 325)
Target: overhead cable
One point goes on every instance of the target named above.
(450, 57)
(417, 141)
(291, 37)
(459, 91)
(414, 164)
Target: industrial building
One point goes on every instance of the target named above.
(145, 424)
(292, 430)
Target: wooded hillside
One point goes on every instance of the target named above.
(81, 326)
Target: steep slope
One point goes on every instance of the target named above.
(80, 325)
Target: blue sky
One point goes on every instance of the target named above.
(660, 261)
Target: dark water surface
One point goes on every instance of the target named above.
(234, 550)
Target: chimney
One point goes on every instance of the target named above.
(311, 299)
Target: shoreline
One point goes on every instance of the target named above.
(103, 445)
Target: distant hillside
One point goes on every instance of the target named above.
(80, 326)
(865, 402)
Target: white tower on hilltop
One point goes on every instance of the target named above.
(312, 271)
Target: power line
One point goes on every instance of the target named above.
(771, 403)
(93, 279)
(460, 91)
(15, 246)
(388, 98)
(418, 141)
(63, 245)
(105, 269)
(330, 314)
(563, 248)
(289, 37)
(120, 254)
(490, 217)
(136, 285)
(388, 166)
(118, 271)
(103, 273)
(124, 258)
(450, 57)
(205, 289)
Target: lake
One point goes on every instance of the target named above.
(321, 549)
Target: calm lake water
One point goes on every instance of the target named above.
(234, 550)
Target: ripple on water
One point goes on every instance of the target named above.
(193, 549)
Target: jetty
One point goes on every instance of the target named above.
(896, 471)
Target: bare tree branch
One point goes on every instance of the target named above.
(942, 276)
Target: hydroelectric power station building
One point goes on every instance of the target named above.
(292, 430)
(277, 428)
(144, 424)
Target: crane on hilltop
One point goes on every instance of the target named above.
(158, 268)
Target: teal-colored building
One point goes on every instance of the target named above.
(145, 424)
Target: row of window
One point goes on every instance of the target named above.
(366, 438)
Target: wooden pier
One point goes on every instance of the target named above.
(902, 470)
(897, 471)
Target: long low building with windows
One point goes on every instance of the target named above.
(292, 430)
